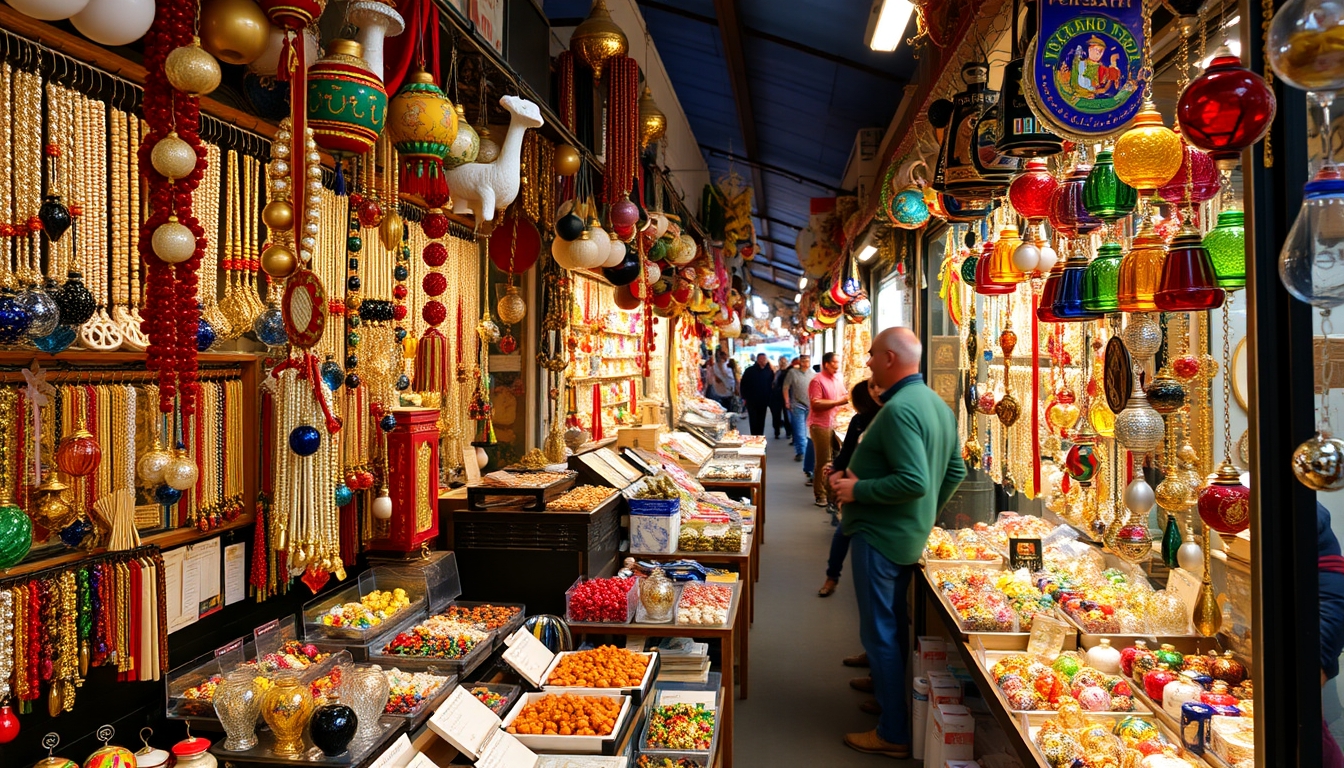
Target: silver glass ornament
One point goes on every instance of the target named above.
(43, 314)
(366, 690)
(1139, 497)
(1138, 427)
(1191, 555)
(1319, 462)
(1143, 336)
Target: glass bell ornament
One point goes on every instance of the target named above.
(1303, 46)
(43, 313)
(1101, 280)
(1045, 309)
(79, 454)
(1105, 196)
(1318, 463)
(1224, 505)
(1196, 181)
(1226, 244)
(985, 285)
(1068, 215)
(1067, 306)
(1001, 268)
(1188, 283)
(14, 320)
(181, 473)
(1311, 263)
(1226, 109)
(1147, 155)
(1031, 191)
(1138, 427)
(382, 505)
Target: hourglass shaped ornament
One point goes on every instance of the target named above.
(1007, 409)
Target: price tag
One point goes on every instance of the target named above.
(1025, 553)
(706, 699)
(528, 656)
(464, 722)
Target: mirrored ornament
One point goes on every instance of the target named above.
(1142, 336)
(43, 314)
(1318, 463)
(76, 304)
(14, 320)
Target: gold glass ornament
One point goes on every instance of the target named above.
(172, 157)
(511, 306)
(1208, 614)
(1149, 153)
(1318, 463)
(173, 242)
(652, 121)
(466, 145)
(489, 148)
(1008, 410)
(1001, 267)
(191, 69)
(390, 230)
(181, 473)
(567, 160)
(1173, 493)
(235, 31)
(598, 39)
(151, 465)
(278, 261)
(278, 216)
(53, 512)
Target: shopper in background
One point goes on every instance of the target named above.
(757, 388)
(1330, 591)
(779, 414)
(825, 393)
(867, 402)
(719, 382)
(892, 490)
(735, 402)
(796, 401)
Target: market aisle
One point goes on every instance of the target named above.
(801, 704)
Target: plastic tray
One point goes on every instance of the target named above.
(637, 692)
(500, 632)
(733, 596)
(374, 579)
(218, 663)
(576, 745)
(443, 583)
(461, 666)
(508, 693)
(632, 599)
(430, 703)
(702, 759)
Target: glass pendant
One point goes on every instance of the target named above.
(1226, 109)
(1068, 304)
(1165, 393)
(1188, 283)
(1104, 194)
(43, 314)
(1224, 506)
(1001, 269)
(1101, 280)
(985, 284)
(14, 320)
(1138, 427)
(1031, 191)
(1081, 462)
(1171, 542)
(1068, 215)
(1311, 264)
(1196, 181)
(1226, 245)
(1045, 310)
(1141, 270)
(1302, 47)
(1149, 153)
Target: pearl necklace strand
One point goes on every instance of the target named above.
(305, 504)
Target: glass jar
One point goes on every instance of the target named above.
(658, 596)
(1104, 658)
(194, 752)
(286, 708)
(237, 703)
(366, 690)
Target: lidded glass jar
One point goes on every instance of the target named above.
(658, 596)
(1101, 280)
(237, 703)
(1182, 689)
(1226, 244)
(1104, 658)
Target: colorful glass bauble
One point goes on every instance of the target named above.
(1319, 463)
(1165, 394)
(985, 285)
(1226, 669)
(191, 69)
(1138, 427)
(1101, 279)
(333, 727)
(1188, 283)
(652, 120)
(1031, 190)
(1302, 45)
(1226, 109)
(173, 241)
(346, 101)
(1008, 409)
(1082, 462)
(422, 124)
(1067, 306)
(1149, 153)
(16, 535)
(598, 39)
(569, 227)
(234, 31)
(205, 335)
(43, 313)
(1141, 271)
(466, 146)
(1224, 505)
(1104, 194)
(969, 265)
(1021, 134)
(909, 209)
(1226, 244)
(278, 215)
(332, 374)
(75, 301)
(625, 272)
(181, 473)
(1309, 264)
(1133, 542)
(55, 217)
(1156, 680)
(1026, 258)
(1196, 181)
(58, 340)
(9, 722)
(304, 440)
(1001, 269)
(14, 320)
(172, 157)
(1045, 309)
(986, 402)
(624, 213)
(1068, 214)
(858, 309)
(79, 454)
(269, 327)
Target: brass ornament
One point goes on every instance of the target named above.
(511, 306)
(278, 261)
(652, 121)
(172, 157)
(567, 160)
(53, 512)
(598, 40)
(235, 31)
(390, 231)
(1318, 463)
(278, 215)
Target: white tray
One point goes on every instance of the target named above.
(579, 745)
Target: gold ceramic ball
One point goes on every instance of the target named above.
(172, 157)
(278, 215)
(191, 69)
(278, 261)
(566, 160)
(173, 242)
(235, 31)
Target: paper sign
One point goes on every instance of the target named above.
(528, 656)
(1025, 553)
(505, 751)
(235, 573)
(1186, 586)
(421, 760)
(706, 699)
(464, 722)
(397, 755)
(506, 363)
(172, 581)
(469, 464)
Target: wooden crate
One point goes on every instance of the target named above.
(645, 437)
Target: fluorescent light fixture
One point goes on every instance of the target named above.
(868, 252)
(886, 24)
(802, 283)
(797, 298)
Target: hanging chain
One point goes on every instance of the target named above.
(1146, 71)
(1327, 327)
(1267, 16)
(1227, 377)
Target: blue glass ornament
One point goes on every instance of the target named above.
(58, 340)
(1068, 306)
(344, 495)
(908, 208)
(205, 335)
(13, 318)
(387, 423)
(400, 273)
(332, 374)
(74, 533)
(305, 440)
(401, 335)
(403, 383)
(43, 314)
(167, 495)
(270, 327)
(353, 283)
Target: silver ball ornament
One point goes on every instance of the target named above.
(1143, 336)
(1319, 463)
(181, 473)
(1190, 556)
(1139, 497)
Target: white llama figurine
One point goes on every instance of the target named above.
(483, 188)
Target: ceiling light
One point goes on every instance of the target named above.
(797, 298)
(867, 253)
(802, 283)
(886, 24)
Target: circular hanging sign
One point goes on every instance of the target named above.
(1118, 375)
(304, 308)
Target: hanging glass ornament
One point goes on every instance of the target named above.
(304, 440)
(652, 121)
(55, 217)
(181, 473)
(269, 326)
(14, 320)
(76, 304)
(191, 69)
(1082, 462)
(1311, 264)
(1173, 493)
(969, 265)
(1224, 506)
(598, 39)
(1031, 191)
(1141, 271)
(1195, 182)
(167, 496)
(1318, 463)
(332, 373)
(1190, 555)
(1045, 308)
(1101, 279)
(172, 157)
(16, 534)
(1001, 269)
(1165, 394)
(43, 314)
(1188, 283)
(1138, 427)
(79, 454)
(1068, 300)
(985, 285)
(466, 146)
(1149, 153)
(1105, 196)
(151, 465)
(346, 100)
(1132, 541)
(1226, 244)
(1226, 109)
(423, 125)
(1068, 215)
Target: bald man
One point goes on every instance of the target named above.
(907, 465)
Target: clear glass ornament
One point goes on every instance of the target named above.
(237, 703)
(366, 689)
(1304, 44)
(43, 314)
(1311, 264)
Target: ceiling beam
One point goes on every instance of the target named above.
(781, 222)
(857, 66)
(730, 30)
(787, 282)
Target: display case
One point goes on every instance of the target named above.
(359, 613)
(191, 686)
(414, 694)
(502, 619)
(701, 703)
(434, 645)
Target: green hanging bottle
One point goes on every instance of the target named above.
(1101, 281)
(1226, 244)
(1171, 542)
(1104, 194)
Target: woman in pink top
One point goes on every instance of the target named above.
(826, 392)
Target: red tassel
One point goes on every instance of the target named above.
(597, 412)
(288, 60)
(431, 362)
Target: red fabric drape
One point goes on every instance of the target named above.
(419, 43)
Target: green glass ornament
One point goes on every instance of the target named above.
(1171, 542)
(968, 269)
(1226, 244)
(1104, 194)
(16, 535)
(1101, 281)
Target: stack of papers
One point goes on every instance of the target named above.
(684, 661)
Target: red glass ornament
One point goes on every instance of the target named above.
(1067, 214)
(435, 225)
(1226, 109)
(1030, 191)
(1186, 367)
(1218, 695)
(434, 313)
(1188, 283)
(1225, 504)
(434, 255)
(508, 344)
(515, 245)
(370, 213)
(399, 312)
(984, 285)
(9, 724)
(352, 479)
(365, 479)
(434, 283)
(1156, 680)
(1204, 180)
(1129, 655)
(79, 454)
(986, 403)
(1045, 310)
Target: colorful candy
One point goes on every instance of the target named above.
(601, 600)
(371, 610)
(437, 637)
(485, 616)
(492, 699)
(684, 727)
(704, 604)
(408, 692)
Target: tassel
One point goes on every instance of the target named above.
(431, 362)
(597, 412)
(288, 60)
(340, 190)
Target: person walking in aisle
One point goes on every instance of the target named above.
(892, 490)
(796, 384)
(825, 393)
(720, 386)
(867, 401)
(757, 388)
(779, 415)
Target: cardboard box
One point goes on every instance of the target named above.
(645, 437)
(953, 735)
(930, 655)
(943, 689)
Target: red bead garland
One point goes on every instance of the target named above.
(622, 128)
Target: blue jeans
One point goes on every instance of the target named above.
(835, 565)
(884, 626)
(798, 416)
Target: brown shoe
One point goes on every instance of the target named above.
(870, 706)
(870, 742)
(862, 684)
(828, 588)
(857, 660)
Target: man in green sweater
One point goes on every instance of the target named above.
(908, 464)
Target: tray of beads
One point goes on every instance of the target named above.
(413, 695)
(500, 618)
(520, 490)
(378, 600)
(679, 732)
(436, 643)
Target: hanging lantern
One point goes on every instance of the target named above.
(1309, 266)
(1020, 133)
(909, 208)
(1067, 306)
(1226, 244)
(1045, 310)
(985, 284)
(346, 101)
(598, 40)
(1031, 191)
(1188, 283)
(1141, 271)
(1068, 214)
(1138, 427)
(1105, 196)
(1001, 268)
(1226, 109)
(1165, 394)
(652, 121)
(1225, 504)
(969, 166)
(1196, 181)
(1148, 154)
(422, 125)
(1101, 280)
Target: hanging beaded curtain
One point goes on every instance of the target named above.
(622, 128)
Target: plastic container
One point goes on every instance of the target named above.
(575, 745)
(383, 579)
(632, 603)
(703, 536)
(655, 524)
(443, 582)
(687, 618)
(637, 692)
(503, 630)
(190, 686)
(693, 757)
(507, 695)
(460, 666)
(429, 703)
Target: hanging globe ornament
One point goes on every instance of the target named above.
(346, 100)
(43, 314)
(1318, 463)
(1149, 153)
(511, 306)
(382, 505)
(1311, 265)
(167, 495)
(343, 495)
(304, 440)
(55, 217)
(191, 69)
(422, 125)
(1301, 45)
(652, 121)
(567, 160)
(53, 512)
(466, 146)
(598, 40)
(172, 157)
(1138, 427)
(181, 473)
(173, 241)
(1226, 109)
(16, 534)
(235, 31)
(79, 454)
(14, 319)
(151, 466)
(1225, 504)
(1196, 181)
